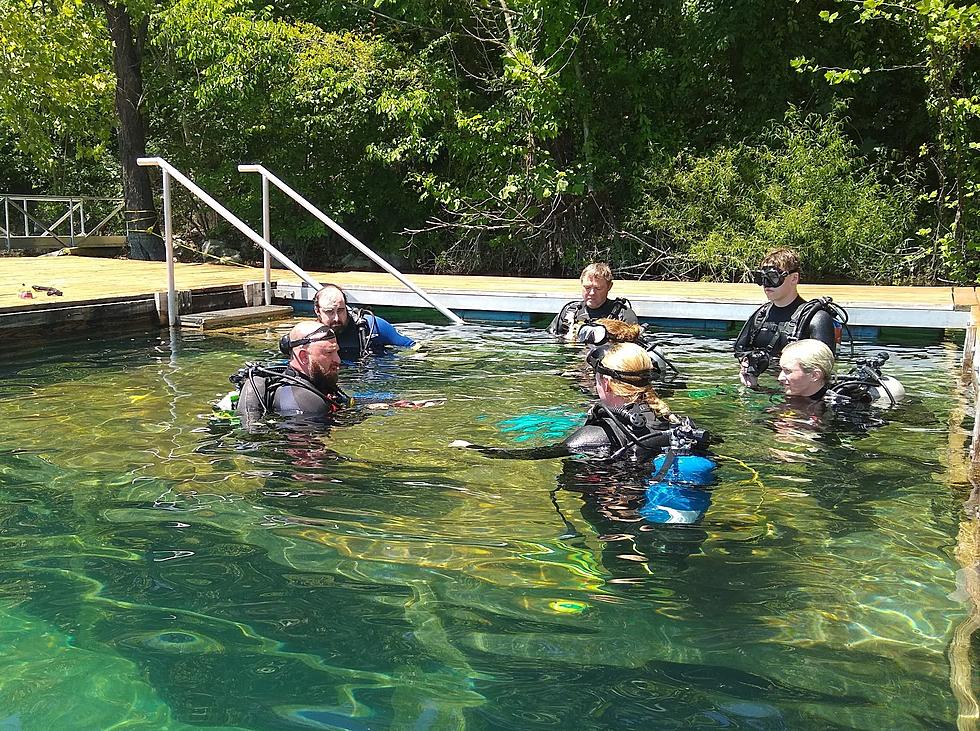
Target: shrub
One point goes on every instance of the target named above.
(804, 186)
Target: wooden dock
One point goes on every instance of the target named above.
(99, 290)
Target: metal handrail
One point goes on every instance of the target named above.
(340, 231)
(169, 171)
(75, 205)
(58, 198)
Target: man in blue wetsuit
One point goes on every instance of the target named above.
(785, 318)
(358, 332)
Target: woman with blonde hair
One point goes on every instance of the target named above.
(631, 422)
(630, 419)
(805, 368)
(603, 331)
(623, 378)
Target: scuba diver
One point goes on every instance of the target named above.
(605, 330)
(631, 424)
(785, 318)
(306, 387)
(359, 332)
(806, 369)
(596, 280)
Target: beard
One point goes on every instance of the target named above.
(325, 380)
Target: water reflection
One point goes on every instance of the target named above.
(168, 574)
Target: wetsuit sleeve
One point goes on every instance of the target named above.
(388, 335)
(549, 451)
(588, 439)
(822, 328)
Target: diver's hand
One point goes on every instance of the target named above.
(747, 379)
(460, 444)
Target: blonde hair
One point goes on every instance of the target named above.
(812, 355)
(599, 270)
(619, 331)
(631, 358)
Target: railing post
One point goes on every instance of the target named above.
(81, 215)
(71, 221)
(267, 235)
(6, 219)
(349, 237)
(229, 217)
(168, 238)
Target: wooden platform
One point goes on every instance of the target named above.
(218, 319)
(124, 286)
(915, 307)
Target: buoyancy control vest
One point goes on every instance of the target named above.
(355, 339)
(772, 337)
(634, 432)
(578, 312)
(259, 385)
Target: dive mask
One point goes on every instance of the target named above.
(769, 277)
(633, 378)
(592, 335)
(324, 333)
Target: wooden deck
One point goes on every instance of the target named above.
(89, 283)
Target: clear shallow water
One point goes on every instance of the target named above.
(161, 571)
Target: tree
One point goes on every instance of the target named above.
(945, 35)
(54, 85)
(128, 42)
(61, 58)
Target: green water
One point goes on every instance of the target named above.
(161, 571)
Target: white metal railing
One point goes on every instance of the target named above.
(169, 171)
(18, 216)
(268, 177)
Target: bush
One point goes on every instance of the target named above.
(804, 186)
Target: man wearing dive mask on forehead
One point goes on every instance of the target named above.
(306, 387)
(785, 318)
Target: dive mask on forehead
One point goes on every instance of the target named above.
(324, 333)
(769, 277)
(633, 378)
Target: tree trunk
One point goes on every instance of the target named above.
(141, 214)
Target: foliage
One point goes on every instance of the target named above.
(945, 34)
(804, 187)
(528, 136)
(303, 101)
(55, 89)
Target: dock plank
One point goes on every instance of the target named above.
(91, 280)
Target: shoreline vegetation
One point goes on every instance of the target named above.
(522, 137)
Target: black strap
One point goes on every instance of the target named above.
(279, 376)
(561, 326)
(758, 320)
(618, 308)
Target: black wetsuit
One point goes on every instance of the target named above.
(286, 392)
(613, 309)
(771, 328)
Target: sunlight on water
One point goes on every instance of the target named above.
(164, 569)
